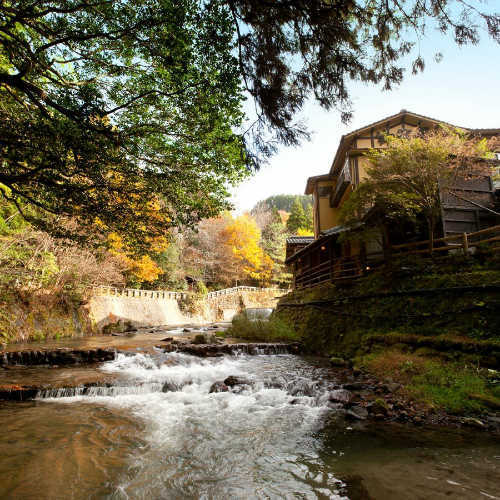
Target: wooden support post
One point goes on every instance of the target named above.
(465, 243)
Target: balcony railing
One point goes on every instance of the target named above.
(348, 268)
(343, 182)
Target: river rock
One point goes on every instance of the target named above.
(357, 413)
(379, 406)
(199, 339)
(340, 396)
(393, 386)
(218, 387)
(167, 339)
(355, 386)
(335, 361)
(231, 381)
(473, 422)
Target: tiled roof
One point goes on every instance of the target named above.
(335, 230)
(486, 131)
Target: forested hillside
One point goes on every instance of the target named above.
(283, 202)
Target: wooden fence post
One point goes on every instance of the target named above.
(465, 243)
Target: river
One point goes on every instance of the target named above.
(152, 429)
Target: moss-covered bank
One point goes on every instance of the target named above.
(446, 307)
(39, 316)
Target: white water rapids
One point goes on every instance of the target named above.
(255, 441)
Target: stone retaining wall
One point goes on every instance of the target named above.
(127, 308)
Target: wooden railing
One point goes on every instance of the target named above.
(463, 241)
(355, 267)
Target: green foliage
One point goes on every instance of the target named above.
(108, 107)
(273, 242)
(455, 387)
(268, 331)
(283, 202)
(298, 218)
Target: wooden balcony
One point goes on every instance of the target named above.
(343, 181)
(319, 265)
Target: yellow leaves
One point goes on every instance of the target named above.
(242, 235)
(304, 232)
(142, 268)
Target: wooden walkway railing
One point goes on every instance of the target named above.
(357, 266)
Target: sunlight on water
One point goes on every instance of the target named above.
(227, 444)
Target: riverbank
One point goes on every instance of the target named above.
(428, 327)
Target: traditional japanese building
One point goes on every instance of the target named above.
(324, 258)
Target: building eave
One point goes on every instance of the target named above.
(347, 138)
(311, 182)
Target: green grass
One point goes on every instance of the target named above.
(455, 387)
(449, 387)
(268, 331)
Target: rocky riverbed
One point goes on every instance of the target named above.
(356, 396)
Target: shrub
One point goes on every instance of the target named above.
(272, 330)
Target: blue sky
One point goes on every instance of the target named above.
(463, 89)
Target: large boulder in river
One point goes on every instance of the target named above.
(231, 381)
(203, 338)
(340, 396)
(218, 387)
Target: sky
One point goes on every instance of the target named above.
(463, 89)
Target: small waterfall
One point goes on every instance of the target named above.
(100, 391)
(261, 407)
(256, 313)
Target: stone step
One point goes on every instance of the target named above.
(59, 357)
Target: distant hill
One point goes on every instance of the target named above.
(282, 202)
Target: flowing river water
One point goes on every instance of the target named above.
(151, 429)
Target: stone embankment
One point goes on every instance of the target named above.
(58, 357)
(126, 308)
(220, 349)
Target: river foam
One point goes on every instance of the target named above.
(243, 443)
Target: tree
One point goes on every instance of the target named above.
(105, 101)
(282, 202)
(290, 50)
(273, 242)
(107, 105)
(409, 176)
(242, 237)
(297, 219)
(206, 255)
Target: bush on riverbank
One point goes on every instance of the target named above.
(455, 387)
(272, 330)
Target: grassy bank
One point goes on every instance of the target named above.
(455, 387)
(448, 305)
(431, 325)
